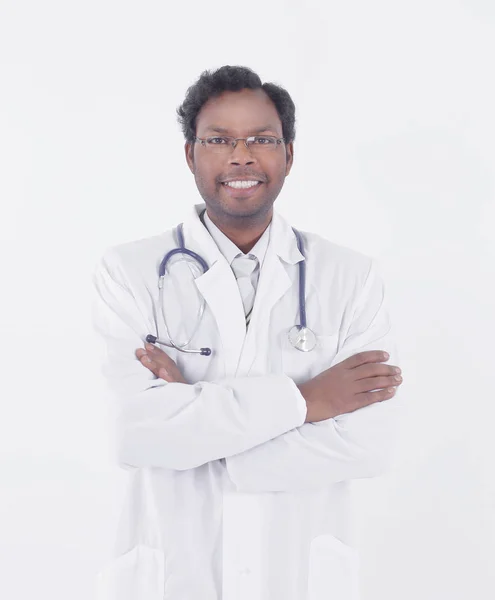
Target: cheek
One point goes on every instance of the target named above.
(277, 171)
(206, 178)
(203, 181)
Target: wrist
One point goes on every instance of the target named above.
(305, 391)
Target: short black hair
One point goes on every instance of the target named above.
(228, 78)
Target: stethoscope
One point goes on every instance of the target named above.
(300, 336)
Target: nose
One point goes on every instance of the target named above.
(241, 154)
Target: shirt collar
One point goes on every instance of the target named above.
(197, 238)
(230, 250)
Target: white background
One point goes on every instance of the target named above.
(394, 157)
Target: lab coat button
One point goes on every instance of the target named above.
(245, 571)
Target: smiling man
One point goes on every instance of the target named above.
(239, 185)
(240, 452)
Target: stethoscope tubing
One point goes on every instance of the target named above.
(183, 250)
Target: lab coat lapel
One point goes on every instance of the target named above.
(273, 283)
(219, 288)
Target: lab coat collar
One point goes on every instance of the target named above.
(282, 239)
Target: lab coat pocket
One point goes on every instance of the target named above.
(301, 366)
(333, 570)
(136, 575)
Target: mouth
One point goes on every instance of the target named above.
(241, 192)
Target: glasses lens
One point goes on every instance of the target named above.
(218, 144)
(262, 142)
(257, 143)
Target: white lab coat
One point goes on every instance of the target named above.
(231, 496)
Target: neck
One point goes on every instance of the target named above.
(245, 232)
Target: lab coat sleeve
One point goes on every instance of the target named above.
(354, 445)
(176, 425)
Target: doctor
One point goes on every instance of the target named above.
(240, 459)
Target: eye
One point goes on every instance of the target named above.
(263, 140)
(214, 143)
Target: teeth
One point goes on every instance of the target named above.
(241, 184)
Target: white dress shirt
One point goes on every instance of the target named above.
(246, 267)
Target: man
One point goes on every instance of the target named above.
(240, 458)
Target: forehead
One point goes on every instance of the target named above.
(246, 111)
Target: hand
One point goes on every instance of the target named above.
(160, 364)
(347, 386)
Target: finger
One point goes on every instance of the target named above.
(148, 363)
(375, 370)
(366, 398)
(370, 356)
(158, 362)
(158, 354)
(156, 351)
(165, 375)
(377, 383)
(145, 359)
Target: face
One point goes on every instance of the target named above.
(239, 114)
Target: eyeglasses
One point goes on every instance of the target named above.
(254, 143)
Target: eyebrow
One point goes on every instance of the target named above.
(222, 130)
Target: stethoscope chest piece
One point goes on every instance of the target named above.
(302, 338)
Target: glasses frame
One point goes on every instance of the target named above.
(235, 140)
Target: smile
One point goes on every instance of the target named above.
(238, 185)
(241, 188)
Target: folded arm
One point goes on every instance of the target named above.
(354, 445)
(177, 425)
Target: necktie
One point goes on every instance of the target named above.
(243, 267)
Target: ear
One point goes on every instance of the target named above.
(189, 152)
(289, 154)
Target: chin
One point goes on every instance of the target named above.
(246, 208)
